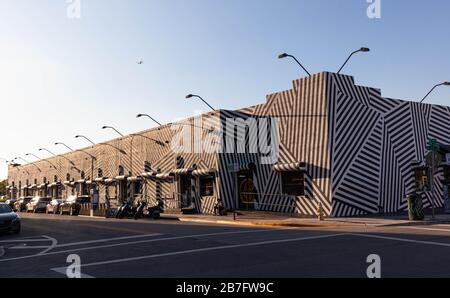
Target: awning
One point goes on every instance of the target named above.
(109, 181)
(99, 180)
(25, 187)
(43, 185)
(67, 183)
(204, 172)
(134, 179)
(54, 184)
(121, 178)
(33, 186)
(184, 171)
(89, 182)
(81, 181)
(289, 167)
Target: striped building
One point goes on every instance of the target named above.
(326, 142)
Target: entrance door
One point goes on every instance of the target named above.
(246, 190)
(185, 191)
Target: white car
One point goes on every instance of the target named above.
(38, 204)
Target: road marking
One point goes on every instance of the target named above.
(54, 243)
(91, 241)
(62, 270)
(190, 251)
(139, 242)
(402, 239)
(425, 229)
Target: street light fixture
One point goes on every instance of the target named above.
(26, 161)
(362, 50)
(110, 127)
(84, 137)
(432, 89)
(34, 155)
(286, 55)
(59, 143)
(150, 117)
(199, 97)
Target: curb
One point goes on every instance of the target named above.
(266, 224)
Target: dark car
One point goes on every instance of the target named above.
(72, 205)
(21, 204)
(9, 220)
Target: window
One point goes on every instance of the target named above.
(206, 186)
(137, 187)
(293, 183)
(422, 179)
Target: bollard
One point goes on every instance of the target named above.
(320, 212)
(234, 215)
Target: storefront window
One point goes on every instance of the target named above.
(422, 179)
(293, 183)
(206, 186)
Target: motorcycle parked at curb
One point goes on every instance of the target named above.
(140, 210)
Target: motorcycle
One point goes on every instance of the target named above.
(155, 211)
(124, 210)
(140, 210)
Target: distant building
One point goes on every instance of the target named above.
(326, 141)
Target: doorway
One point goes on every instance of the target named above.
(246, 190)
(185, 191)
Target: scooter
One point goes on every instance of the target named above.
(124, 210)
(140, 210)
(155, 211)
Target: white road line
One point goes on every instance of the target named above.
(402, 239)
(24, 240)
(190, 251)
(139, 242)
(63, 272)
(90, 241)
(54, 243)
(425, 229)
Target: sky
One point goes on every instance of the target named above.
(61, 76)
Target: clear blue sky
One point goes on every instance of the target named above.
(60, 77)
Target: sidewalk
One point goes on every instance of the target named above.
(285, 221)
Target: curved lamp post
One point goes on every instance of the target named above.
(362, 50)
(286, 55)
(199, 97)
(432, 89)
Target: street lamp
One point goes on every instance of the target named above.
(66, 158)
(285, 55)
(34, 155)
(26, 161)
(59, 143)
(198, 96)
(84, 137)
(432, 89)
(110, 127)
(362, 50)
(150, 117)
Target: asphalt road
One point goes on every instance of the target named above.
(146, 248)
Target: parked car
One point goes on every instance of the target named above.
(38, 204)
(9, 220)
(53, 206)
(72, 205)
(21, 204)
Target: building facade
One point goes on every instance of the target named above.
(326, 142)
